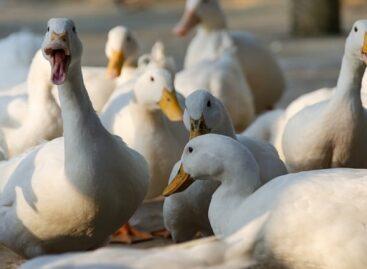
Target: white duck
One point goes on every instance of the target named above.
(185, 213)
(328, 205)
(333, 133)
(102, 180)
(144, 122)
(260, 68)
(227, 161)
(222, 74)
(17, 51)
(38, 113)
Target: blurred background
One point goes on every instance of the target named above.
(307, 36)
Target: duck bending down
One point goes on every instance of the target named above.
(259, 66)
(222, 75)
(186, 213)
(102, 180)
(315, 137)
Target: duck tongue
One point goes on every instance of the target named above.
(59, 67)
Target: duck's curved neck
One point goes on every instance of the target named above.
(350, 81)
(82, 126)
(216, 21)
(225, 127)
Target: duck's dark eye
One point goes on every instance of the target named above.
(355, 29)
(152, 79)
(209, 104)
(74, 30)
(191, 149)
(48, 29)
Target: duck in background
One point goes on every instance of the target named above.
(333, 133)
(259, 66)
(17, 51)
(71, 193)
(222, 74)
(186, 213)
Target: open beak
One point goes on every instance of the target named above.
(180, 183)
(198, 127)
(58, 52)
(170, 105)
(188, 21)
(115, 64)
(364, 49)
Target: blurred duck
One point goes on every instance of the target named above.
(102, 180)
(17, 51)
(186, 213)
(222, 74)
(259, 66)
(333, 133)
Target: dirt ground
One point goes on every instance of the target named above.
(308, 63)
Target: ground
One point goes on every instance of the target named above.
(308, 63)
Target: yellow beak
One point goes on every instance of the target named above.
(198, 127)
(115, 64)
(61, 37)
(170, 105)
(180, 183)
(364, 48)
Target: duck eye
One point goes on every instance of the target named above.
(355, 29)
(209, 104)
(74, 30)
(191, 149)
(48, 29)
(152, 79)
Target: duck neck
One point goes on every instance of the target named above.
(225, 127)
(82, 126)
(350, 81)
(215, 21)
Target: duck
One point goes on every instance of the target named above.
(186, 213)
(222, 75)
(37, 114)
(328, 204)
(314, 138)
(259, 66)
(103, 180)
(150, 121)
(17, 51)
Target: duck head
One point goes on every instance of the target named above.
(356, 44)
(207, 12)
(206, 114)
(62, 48)
(214, 157)
(121, 47)
(154, 89)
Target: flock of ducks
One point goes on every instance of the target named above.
(83, 147)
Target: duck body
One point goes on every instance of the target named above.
(102, 180)
(141, 123)
(259, 67)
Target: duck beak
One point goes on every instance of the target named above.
(180, 183)
(188, 21)
(115, 64)
(170, 105)
(198, 127)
